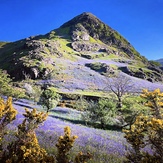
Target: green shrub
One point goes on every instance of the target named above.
(49, 98)
(100, 112)
(132, 106)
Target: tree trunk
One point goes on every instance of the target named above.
(119, 102)
(102, 124)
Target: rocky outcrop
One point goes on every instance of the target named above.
(156, 69)
(31, 58)
(102, 68)
(81, 46)
(34, 44)
(152, 76)
(53, 46)
(79, 33)
(126, 70)
(35, 47)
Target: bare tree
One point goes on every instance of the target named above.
(120, 85)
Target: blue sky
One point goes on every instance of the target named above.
(139, 21)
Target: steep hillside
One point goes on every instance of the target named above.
(83, 50)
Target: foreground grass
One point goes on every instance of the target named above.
(100, 155)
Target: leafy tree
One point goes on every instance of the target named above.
(49, 98)
(6, 86)
(101, 112)
(147, 131)
(132, 107)
(81, 103)
(120, 85)
(33, 91)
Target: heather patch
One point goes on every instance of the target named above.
(111, 144)
(75, 76)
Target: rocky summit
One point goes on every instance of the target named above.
(82, 54)
(87, 26)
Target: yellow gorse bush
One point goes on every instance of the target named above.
(7, 111)
(65, 143)
(26, 148)
(147, 130)
(7, 115)
(154, 101)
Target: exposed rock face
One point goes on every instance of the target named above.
(125, 70)
(85, 46)
(34, 44)
(79, 33)
(35, 47)
(139, 74)
(34, 73)
(76, 37)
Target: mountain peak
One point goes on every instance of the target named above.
(85, 17)
(92, 26)
(87, 14)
